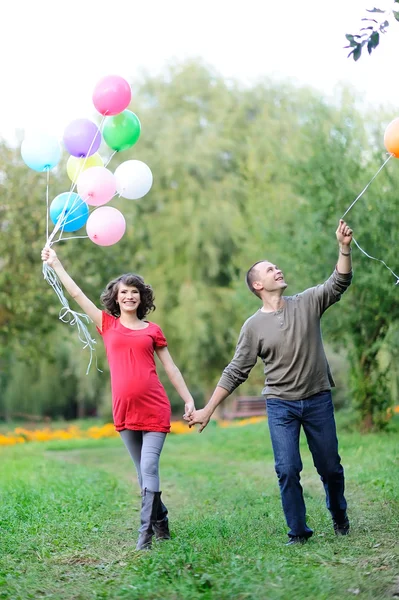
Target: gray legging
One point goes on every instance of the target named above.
(145, 449)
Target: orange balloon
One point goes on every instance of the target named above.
(391, 138)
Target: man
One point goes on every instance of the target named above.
(286, 334)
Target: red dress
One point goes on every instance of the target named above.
(139, 400)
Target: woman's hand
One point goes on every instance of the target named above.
(49, 256)
(200, 417)
(189, 408)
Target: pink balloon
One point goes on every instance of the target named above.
(96, 185)
(106, 226)
(112, 95)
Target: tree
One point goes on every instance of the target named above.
(370, 34)
(218, 172)
(54, 385)
(28, 306)
(343, 154)
(240, 174)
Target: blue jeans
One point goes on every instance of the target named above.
(316, 415)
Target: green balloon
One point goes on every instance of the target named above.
(122, 131)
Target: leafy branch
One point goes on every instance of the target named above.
(369, 35)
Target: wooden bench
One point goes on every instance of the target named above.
(246, 406)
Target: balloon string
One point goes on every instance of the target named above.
(60, 221)
(110, 158)
(74, 183)
(82, 166)
(66, 217)
(354, 202)
(61, 217)
(67, 315)
(367, 186)
(74, 237)
(377, 259)
(47, 200)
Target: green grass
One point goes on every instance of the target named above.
(69, 518)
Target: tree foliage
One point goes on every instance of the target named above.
(370, 35)
(240, 174)
(346, 158)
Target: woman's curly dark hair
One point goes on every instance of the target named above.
(109, 295)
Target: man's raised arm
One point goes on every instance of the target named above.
(344, 237)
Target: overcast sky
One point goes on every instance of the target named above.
(54, 52)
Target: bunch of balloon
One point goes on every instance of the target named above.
(95, 184)
(120, 129)
(133, 178)
(69, 211)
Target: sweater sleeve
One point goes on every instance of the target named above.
(243, 361)
(329, 292)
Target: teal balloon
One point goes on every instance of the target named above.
(76, 211)
(122, 131)
(41, 152)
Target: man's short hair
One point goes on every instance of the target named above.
(251, 276)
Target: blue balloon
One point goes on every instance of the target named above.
(76, 211)
(41, 152)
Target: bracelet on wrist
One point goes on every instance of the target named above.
(346, 253)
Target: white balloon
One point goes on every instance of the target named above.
(41, 151)
(133, 179)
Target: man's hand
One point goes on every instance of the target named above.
(344, 234)
(199, 417)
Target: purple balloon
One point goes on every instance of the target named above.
(82, 138)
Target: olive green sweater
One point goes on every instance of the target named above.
(289, 342)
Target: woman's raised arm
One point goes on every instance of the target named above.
(50, 257)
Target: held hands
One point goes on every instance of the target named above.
(189, 408)
(199, 417)
(49, 256)
(344, 234)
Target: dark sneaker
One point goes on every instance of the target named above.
(341, 528)
(296, 539)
